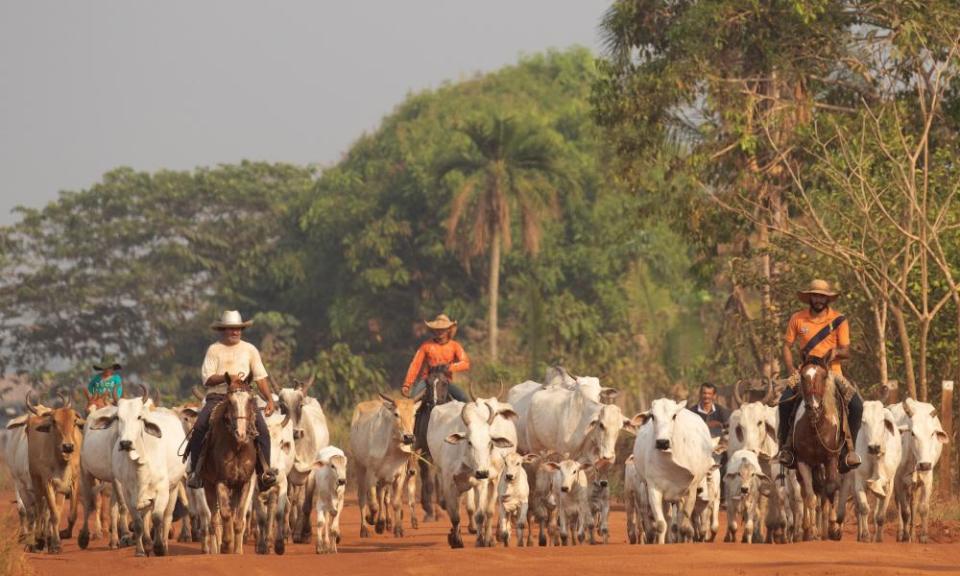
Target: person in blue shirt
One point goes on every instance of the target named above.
(107, 379)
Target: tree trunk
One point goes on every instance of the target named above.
(494, 292)
(880, 320)
(905, 350)
(924, 333)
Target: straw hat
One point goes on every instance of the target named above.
(231, 319)
(441, 322)
(819, 287)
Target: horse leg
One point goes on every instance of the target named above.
(809, 500)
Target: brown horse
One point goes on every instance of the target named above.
(229, 464)
(437, 392)
(817, 440)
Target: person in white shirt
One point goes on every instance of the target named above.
(231, 355)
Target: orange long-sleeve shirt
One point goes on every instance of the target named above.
(432, 354)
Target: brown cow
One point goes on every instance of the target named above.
(53, 445)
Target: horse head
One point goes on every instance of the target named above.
(240, 410)
(438, 384)
(814, 383)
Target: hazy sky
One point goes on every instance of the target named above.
(86, 86)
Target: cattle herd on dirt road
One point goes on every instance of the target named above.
(538, 458)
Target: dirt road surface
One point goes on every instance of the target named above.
(424, 552)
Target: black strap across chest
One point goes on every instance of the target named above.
(823, 333)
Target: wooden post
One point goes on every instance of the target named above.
(893, 392)
(946, 458)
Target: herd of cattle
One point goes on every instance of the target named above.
(542, 459)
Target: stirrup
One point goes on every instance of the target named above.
(787, 458)
(267, 479)
(850, 461)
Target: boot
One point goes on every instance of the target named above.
(786, 456)
(194, 481)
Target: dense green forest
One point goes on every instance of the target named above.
(645, 215)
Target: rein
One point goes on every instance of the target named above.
(816, 416)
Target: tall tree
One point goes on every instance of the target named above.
(509, 167)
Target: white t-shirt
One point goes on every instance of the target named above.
(241, 357)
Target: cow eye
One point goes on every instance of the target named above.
(674, 416)
(602, 427)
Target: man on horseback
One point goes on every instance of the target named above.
(231, 355)
(107, 380)
(824, 336)
(439, 354)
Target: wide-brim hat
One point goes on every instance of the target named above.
(441, 322)
(107, 361)
(231, 319)
(820, 288)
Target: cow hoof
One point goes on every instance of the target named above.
(159, 549)
(414, 523)
(371, 518)
(398, 531)
(262, 547)
(364, 531)
(140, 554)
(542, 540)
(66, 534)
(379, 527)
(279, 547)
(471, 530)
(835, 533)
(455, 540)
(83, 540)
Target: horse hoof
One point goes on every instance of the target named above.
(279, 547)
(364, 531)
(262, 548)
(66, 534)
(380, 526)
(455, 540)
(83, 540)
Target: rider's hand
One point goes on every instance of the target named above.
(269, 409)
(405, 392)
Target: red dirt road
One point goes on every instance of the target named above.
(424, 552)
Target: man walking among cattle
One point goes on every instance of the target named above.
(716, 416)
(823, 335)
(231, 356)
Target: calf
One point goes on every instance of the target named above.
(542, 507)
(744, 483)
(600, 502)
(513, 493)
(922, 439)
(632, 490)
(572, 493)
(270, 506)
(329, 471)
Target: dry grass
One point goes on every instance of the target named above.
(945, 510)
(12, 560)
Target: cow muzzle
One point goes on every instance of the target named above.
(604, 483)
(341, 481)
(67, 448)
(481, 474)
(874, 449)
(298, 434)
(126, 445)
(924, 467)
(510, 477)
(564, 488)
(409, 439)
(663, 444)
(744, 489)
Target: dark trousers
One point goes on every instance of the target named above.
(789, 401)
(455, 392)
(200, 428)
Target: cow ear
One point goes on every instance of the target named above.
(530, 458)
(640, 419)
(585, 465)
(592, 426)
(771, 430)
(454, 438)
(319, 464)
(80, 422)
(608, 395)
(192, 412)
(942, 437)
(152, 429)
(103, 422)
(509, 414)
(889, 425)
(16, 423)
(551, 466)
(501, 442)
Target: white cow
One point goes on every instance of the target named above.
(753, 426)
(922, 440)
(580, 422)
(632, 490)
(672, 452)
(329, 472)
(199, 519)
(464, 447)
(542, 507)
(270, 506)
(744, 482)
(513, 497)
(600, 502)
(879, 447)
(381, 442)
(571, 490)
(310, 434)
(706, 511)
(96, 465)
(147, 467)
(17, 459)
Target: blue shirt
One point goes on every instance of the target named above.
(98, 385)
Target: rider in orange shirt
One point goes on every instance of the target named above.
(440, 353)
(823, 333)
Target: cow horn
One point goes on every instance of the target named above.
(907, 409)
(736, 392)
(500, 391)
(286, 419)
(30, 405)
(64, 401)
(143, 393)
(768, 397)
(197, 393)
(420, 396)
(473, 397)
(493, 414)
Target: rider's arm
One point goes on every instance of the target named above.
(414, 370)
(461, 362)
(263, 385)
(119, 385)
(92, 385)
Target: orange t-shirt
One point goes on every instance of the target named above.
(803, 327)
(433, 354)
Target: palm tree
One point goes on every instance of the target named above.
(508, 167)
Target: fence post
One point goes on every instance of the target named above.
(893, 392)
(946, 460)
